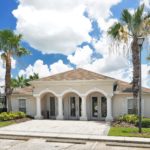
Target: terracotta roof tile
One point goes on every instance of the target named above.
(26, 90)
(77, 74)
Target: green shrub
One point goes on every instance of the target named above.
(129, 118)
(145, 122)
(4, 116)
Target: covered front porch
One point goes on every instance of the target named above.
(72, 105)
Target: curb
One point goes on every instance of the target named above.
(76, 139)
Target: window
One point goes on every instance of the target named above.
(131, 103)
(103, 107)
(22, 105)
(52, 106)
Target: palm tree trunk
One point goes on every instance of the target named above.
(8, 81)
(136, 71)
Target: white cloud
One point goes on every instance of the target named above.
(43, 69)
(82, 56)
(100, 8)
(2, 73)
(3, 70)
(13, 63)
(146, 2)
(107, 64)
(53, 26)
(59, 67)
(38, 67)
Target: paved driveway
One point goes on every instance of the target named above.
(58, 128)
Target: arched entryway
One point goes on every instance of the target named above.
(71, 106)
(96, 106)
(49, 105)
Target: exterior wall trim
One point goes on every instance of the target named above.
(45, 91)
(69, 91)
(96, 90)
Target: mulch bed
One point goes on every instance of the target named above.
(122, 124)
(21, 120)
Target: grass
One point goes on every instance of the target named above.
(6, 123)
(129, 132)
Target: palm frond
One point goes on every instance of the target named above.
(126, 16)
(137, 18)
(22, 51)
(114, 30)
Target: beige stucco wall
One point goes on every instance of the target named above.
(30, 104)
(81, 87)
(147, 105)
(63, 88)
(120, 105)
(45, 103)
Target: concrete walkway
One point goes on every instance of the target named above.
(58, 128)
(65, 131)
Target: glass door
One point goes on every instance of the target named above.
(74, 107)
(103, 107)
(94, 107)
(52, 107)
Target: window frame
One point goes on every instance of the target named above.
(22, 108)
(130, 109)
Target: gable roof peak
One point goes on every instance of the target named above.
(76, 74)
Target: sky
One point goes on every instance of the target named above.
(68, 34)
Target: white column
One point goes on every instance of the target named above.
(60, 108)
(109, 109)
(38, 108)
(83, 109)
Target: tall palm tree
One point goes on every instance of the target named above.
(132, 26)
(10, 45)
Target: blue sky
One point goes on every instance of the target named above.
(57, 48)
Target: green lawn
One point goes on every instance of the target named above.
(6, 123)
(130, 132)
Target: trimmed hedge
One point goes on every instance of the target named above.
(145, 123)
(129, 118)
(133, 119)
(5, 116)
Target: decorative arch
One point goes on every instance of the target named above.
(96, 90)
(70, 91)
(47, 91)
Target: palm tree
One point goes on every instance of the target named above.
(34, 76)
(10, 45)
(132, 26)
(20, 81)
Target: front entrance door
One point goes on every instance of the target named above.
(74, 107)
(52, 108)
(98, 107)
(95, 108)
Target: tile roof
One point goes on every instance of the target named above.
(126, 87)
(80, 74)
(77, 74)
(26, 90)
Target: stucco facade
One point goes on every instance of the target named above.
(79, 95)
